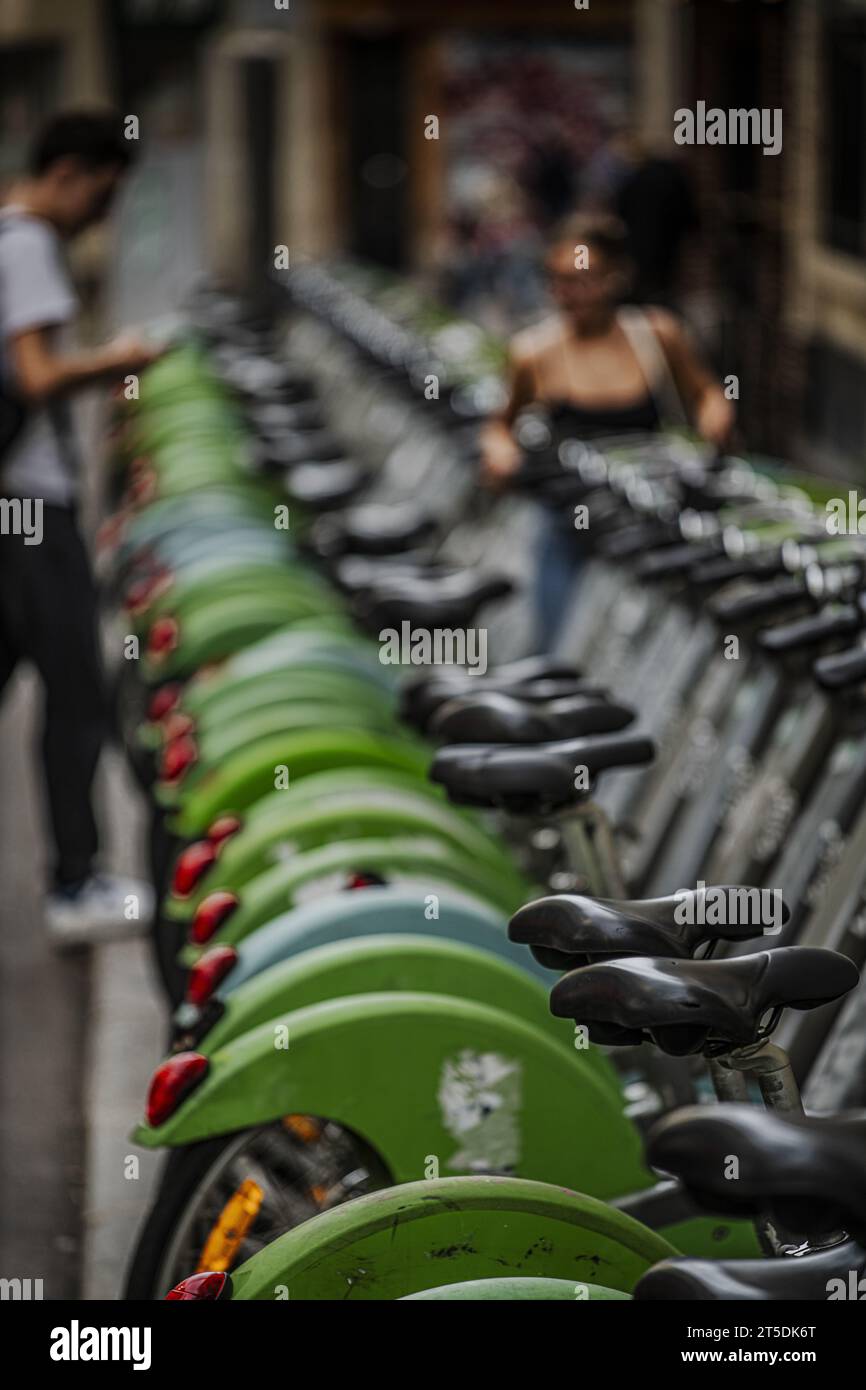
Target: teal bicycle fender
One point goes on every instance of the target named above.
(315, 870)
(395, 909)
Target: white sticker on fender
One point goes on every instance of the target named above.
(479, 1101)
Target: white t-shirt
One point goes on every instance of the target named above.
(36, 292)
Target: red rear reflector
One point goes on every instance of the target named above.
(365, 879)
(162, 701)
(198, 1287)
(176, 724)
(138, 595)
(177, 756)
(172, 1082)
(111, 531)
(223, 828)
(208, 974)
(210, 914)
(192, 864)
(163, 636)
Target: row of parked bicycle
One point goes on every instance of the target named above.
(372, 877)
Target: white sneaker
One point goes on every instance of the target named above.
(104, 908)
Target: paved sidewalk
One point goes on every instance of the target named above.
(43, 1011)
(126, 1039)
(125, 1042)
(80, 1035)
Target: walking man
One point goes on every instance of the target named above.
(48, 611)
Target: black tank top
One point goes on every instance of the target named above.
(571, 421)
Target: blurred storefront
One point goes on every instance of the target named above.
(785, 235)
(51, 54)
(443, 137)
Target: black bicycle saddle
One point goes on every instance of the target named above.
(420, 696)
(320, 489)
(357, 573)
(830, 624)
(808, 1173)
(532, 780)
(491, 717)
(811, 1277)
(442, 601)
(637, 538)
(541, 692)
(672, 560)
(272, 419)
(371, 529)
(751, 601)
(761, 564)
(287, 451)
(687, 1006)
(842, 671)
(566, 931)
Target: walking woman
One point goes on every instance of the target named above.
(597, 366)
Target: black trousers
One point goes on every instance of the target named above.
(48, 616)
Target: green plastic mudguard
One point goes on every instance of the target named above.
(426, 1234)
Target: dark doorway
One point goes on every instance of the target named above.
(260, 104)
(378, 172)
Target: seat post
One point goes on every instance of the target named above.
(771, 1065)
(588, 835)
(779, 1090)
(775, 1075)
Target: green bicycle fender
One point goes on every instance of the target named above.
(262, 816)
(296, 640)
(250, 774)
(517, 1289)
(212, 434)
(384, 964)
(244, 733)
(276, 890)
(294, 646)
(422, 1078)
(347, 813)
(405, 1239)
(302, 687)
(209, 696)
(208, 462)
(267, 582)
(182, 368)
(714, 1238)
(307, 683)
(221, 628)
(394, 910)
(269, 579)
(197, 416)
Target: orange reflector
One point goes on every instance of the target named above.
(304, 1127)
(229, 1231)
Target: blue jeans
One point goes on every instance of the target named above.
(559, 561)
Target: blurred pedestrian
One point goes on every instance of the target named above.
(48, 608)
(597, 368)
